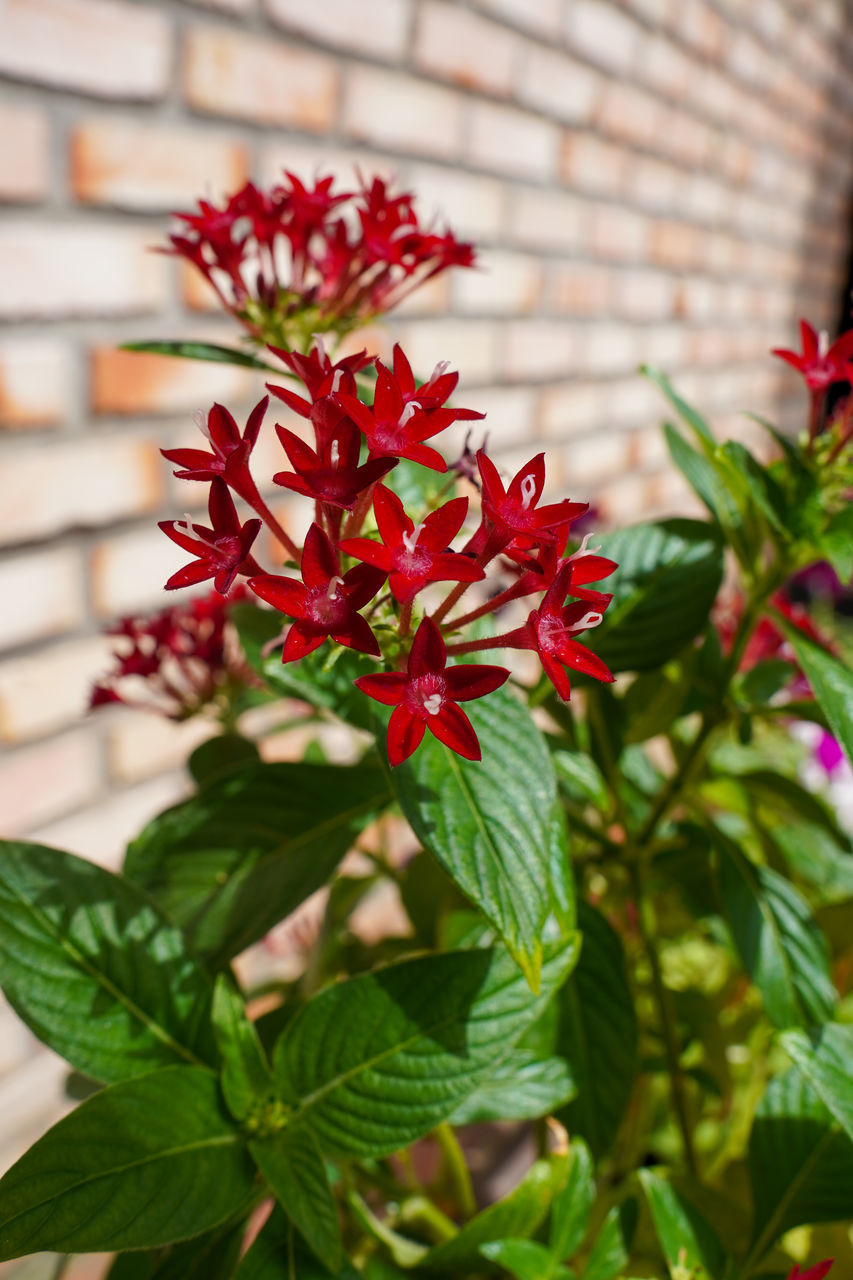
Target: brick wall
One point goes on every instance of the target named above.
(650, 180)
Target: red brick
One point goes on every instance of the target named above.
(130, 382)
(50, 689)
(43, 595)
(512, 141)
(458, 45)
(555, 84)
(135, 165)
(376, 27)
(396, 111)
(503, 283)
(34, 382)
(39, 783)
(101, 47)
(228, 73)
(68, 270)
(87, 483)
(24, 153)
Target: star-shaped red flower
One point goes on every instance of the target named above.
(222, 551)
(331, 474)
(324, 603)
(820, 364)
(229, 450)
(512, 514)
(427, 694)
(414, 555)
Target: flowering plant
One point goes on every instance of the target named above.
(618, 950)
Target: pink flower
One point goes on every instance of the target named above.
(426, 697)
(324, 603)
(414, 555)
(222, 551)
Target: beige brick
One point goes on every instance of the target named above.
(239, 7)
(130, 382)
(310, 160)
(611, 348)
(42, 594)
(645, 295)
(543, 18)
(538, 349)
(675, 244)
(128, 572)
(141, 744)
(396, 111)
(34, 382)
(472, 205)
(571, 408)
(102, 831)
(512, 141)
(378, 28)
(503, 283)
(591, 164)
(510, 416)
(654, 183)
(629, 115)
(591, 459)
(547, 220)
(101, 47)
(51, 689)
(24, 153)
(457, 45)
(664, 67)
(227, 73)
(581, 288)
(67, 270)
(555, 84)
(471, 346)
(41, 782)
(134, 165)
(86, 483)
(618, 233)
(597, 29)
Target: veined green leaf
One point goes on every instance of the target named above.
(143, 1163)
(279, 1254)
(688, 1241)
(210, 351)
(824, 1056)
(800, 1164)
(496, 825)
(246, 1076)
(663, 590)
(524, 1087)
(781, 947)
(831, 681)
(598, 1036)
(95, 970)
(573, 1205)
(376, 1062)
(293, 1166)
(239, 856)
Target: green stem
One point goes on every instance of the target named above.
(457, 1170)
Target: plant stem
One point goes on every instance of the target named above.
(457, 1169)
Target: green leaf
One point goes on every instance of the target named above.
(94, 969)
(824, 1055)
(524, 1259)
(836, 544)
(246, 1077)
(524, 1087)
(657, 698)
(496, 825)
(212, 1256)
(141, 1164)
(581, 779)
(219, 756)
(811, 852)
(690, 416)
(418, 488)
(598, 1035)
(279, 1254)
(800, 1165)
(232, 861)
(663, 590)
(831, 682)
(688, 1241)
(781, 947)
(759, 485)
(376, 1062)
(758, 685)
(572, 1207)
(293, 1166)
(324, 679)
(517, 1215)
(211, 351)
(612, 1246)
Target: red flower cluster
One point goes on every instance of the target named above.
(823, 365)
(177, 661)
(303, 259)
(361, 591)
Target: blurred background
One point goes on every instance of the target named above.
(660, 181)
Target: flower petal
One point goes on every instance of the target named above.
(405, 734)
(319, 562)
(452, 727)
(474, 680)
(428, 654)
(387, 687)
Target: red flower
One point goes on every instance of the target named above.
(324, 603)
(321, 379)
(332, 474)
(426, 697)
(430, 395)
(222, 551)
(551, 629)
(414, 555)
(229, 455)
(817, 1272)
(820, 364)
(512, 514)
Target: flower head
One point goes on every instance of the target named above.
(222, 551)
(820, 363)
(331, 474)
(228, 457)
(427, 694)
(512, 514)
